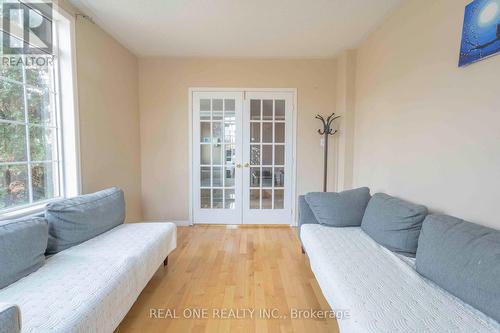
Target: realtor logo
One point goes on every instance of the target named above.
(27, 28)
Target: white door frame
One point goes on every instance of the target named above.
(244, 90)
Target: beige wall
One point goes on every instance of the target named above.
(109, 115)
(425, 129)
(163, 91)
(345, 98)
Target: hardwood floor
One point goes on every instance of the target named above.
(238, 269)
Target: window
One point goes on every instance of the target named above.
(29, 135)
(38, 151)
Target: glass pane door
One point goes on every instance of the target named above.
(216, 127)
(267, 148)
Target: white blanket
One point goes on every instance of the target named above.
(381, 292)
(92, 286)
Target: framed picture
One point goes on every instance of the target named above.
(481, 31)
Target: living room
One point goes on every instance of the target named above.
(212, 166)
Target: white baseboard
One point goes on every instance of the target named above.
(182, 223)
(179, 223)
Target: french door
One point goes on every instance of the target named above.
(242, 157)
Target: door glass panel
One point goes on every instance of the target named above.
(279, 110)
(267, 132)
(230, 107)
(267, 176)
(267, 199)
(279, 177)
(217, 109)
(255, 155)
(204, 109)
(267, 155)
(255, 109)
(279, 155)
(229, 199)
(205, 154)
(217, 132)
(217, 177)
(279, 132)
(229, 154)
(205, 198)
(205, 176)
(229, 132)
(267, 109)
(267, 159)
(279, 199)
(255, 132)
(218, 153)
(205, 132)
(254, 177)
(229, 176)
(218, 202)
(254, 199)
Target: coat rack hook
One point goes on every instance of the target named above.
(326, 131)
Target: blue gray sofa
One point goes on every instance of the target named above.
(392, 267)
(77, 268)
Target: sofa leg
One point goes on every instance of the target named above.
(165, 262)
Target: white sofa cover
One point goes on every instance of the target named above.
(91, 287)
(380, 290)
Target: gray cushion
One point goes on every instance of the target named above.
(464, 259)
(22, 247)
(10, 318)
(394, 223)
(76, 220)
(306, 215)
(342, 209)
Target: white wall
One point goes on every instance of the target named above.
(426, 130)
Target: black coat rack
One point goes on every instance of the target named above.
(326, 131)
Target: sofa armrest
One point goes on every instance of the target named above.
(10, 318)
(306, 215)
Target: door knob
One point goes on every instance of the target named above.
(246, 165)
(238, 166)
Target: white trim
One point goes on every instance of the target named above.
(68, 148)
(23, 211)
(179, 223)
(70, 102)
(192, 90)
(182, 223)
(190, 140)
(276, 90)
(294, 161)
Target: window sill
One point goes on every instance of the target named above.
(26, 211)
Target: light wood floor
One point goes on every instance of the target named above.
(214, 267)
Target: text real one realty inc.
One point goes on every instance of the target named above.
(245, 313)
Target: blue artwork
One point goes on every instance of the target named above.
(481, 33)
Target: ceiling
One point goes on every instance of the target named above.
(238, 28)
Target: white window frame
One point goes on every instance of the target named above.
(66, 106)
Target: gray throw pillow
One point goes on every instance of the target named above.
(76, 220)
(10, 318)
(22, 247)
(462, 258)
(342, 209)
(394, 223)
